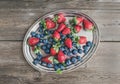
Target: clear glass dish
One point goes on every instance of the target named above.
(92, 36)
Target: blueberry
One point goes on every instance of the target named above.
(36, 61)
(66, 48)
(45, 41)
(38, 45)
(78, 58)
(42, 35)
(33, 34)
(39, 57)
(54, 42)
(43, 47)
(47, 51)
(56, 67)
(85, 47)
(51, 31)
(43, 64)
(61, 42)
(48, 46)
(61, 66)
(78, 47)
(63, 36)
(73, 60)
(48, 32)
(65, 51)
(80, 51)
(74, 44)
(68, 62)
(89, 43)
(41, 40)
(85, 51)
(40, 26)
(69, 36)
(40, 30)
(50, 39)
(62, 48)
(49, 65)
(37, 36)
(69, 54)
(72, 38)
(74, 51)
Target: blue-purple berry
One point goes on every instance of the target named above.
(49, 65)
(68, 62)
(73, 60)
(74, 52)
(80, 51)
(33, 34)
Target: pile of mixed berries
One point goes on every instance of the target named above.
(59, 42)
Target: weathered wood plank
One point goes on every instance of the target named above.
(33, 4)
(14, 23)
(102, 68)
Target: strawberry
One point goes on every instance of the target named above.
(68, 43)
(53, 51)
(77, 28)
(82, 40)
(66, 31)
(61, 27)
(33, 41)
(88, 25)
(60, 18)
(61, 57)
(49, 23)
(47, 59)
(56, 35)
(77, 20)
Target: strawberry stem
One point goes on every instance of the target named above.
(55, 18)
(43, 23)
(74, 20)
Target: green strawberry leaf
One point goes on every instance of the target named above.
(57, 49)
(59, 71)
(74, 20)
(36, 50)
(51, 59)
(43, 23)
(64, 64)
(55, 18)
(55, 61)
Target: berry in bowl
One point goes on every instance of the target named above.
(60, 41)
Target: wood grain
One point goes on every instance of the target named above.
(102, 68)
(16, 16)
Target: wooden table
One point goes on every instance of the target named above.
(16, 16)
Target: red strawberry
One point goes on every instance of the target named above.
(82, 40)
(47, 59)
(49, 23)
(53, 51)
(88, 25)
(56, 35)
(61, 18)
(33, 41)
(68, 43)
(77, 28)
(61, 57)
(66, 31)
(61, 27)
(77, 20)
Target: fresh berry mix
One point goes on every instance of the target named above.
(57, 44)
